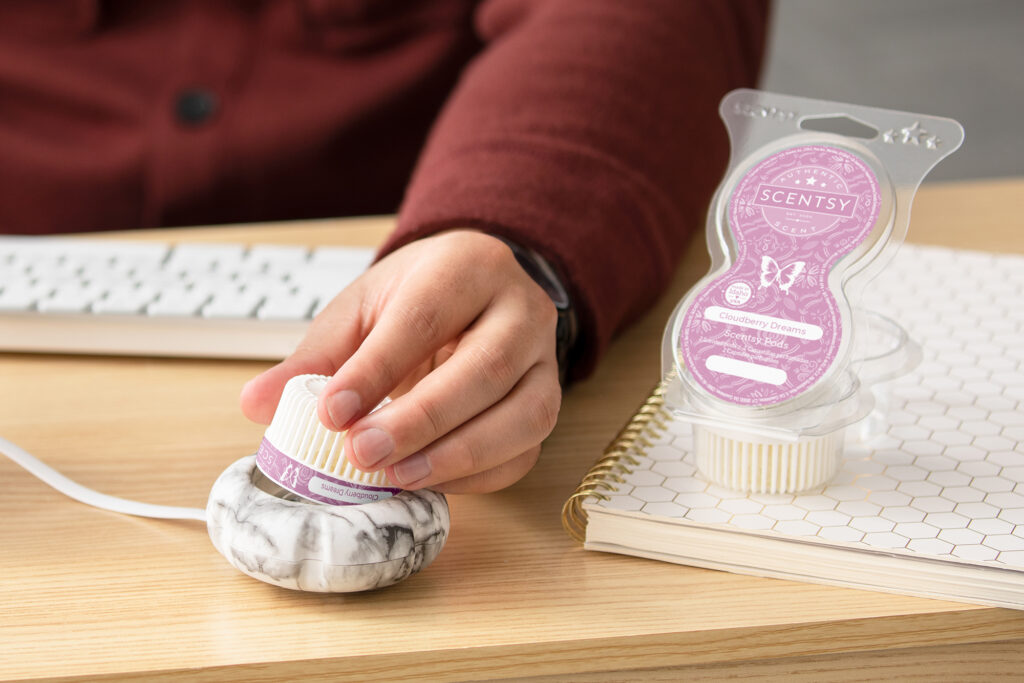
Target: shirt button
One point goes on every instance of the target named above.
(195, 106)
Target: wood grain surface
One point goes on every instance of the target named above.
(87, 594)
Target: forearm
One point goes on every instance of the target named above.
(587, 130)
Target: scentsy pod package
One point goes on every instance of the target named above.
(767, 355)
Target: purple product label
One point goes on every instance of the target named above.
(310, 483)
(769, 328)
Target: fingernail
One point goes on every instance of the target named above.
(342, 407)
(412, 469)
(372, 446)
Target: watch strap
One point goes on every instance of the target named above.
(545, 275)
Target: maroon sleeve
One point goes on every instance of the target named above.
(588, 131)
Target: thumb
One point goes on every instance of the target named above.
(331, 338)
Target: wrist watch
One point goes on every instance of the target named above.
(538, 268)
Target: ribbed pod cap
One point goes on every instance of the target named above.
(305, 457)
(744, 463)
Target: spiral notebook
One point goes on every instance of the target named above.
(931, 504)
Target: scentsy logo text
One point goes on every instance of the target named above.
(813, 201)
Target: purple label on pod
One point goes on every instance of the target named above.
(310, 483)
(770, 327)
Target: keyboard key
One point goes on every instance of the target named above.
(286, 307)
(29, 288)
(107, 279)
(125, 301)
(72, 297)
(268, 287)
(211, 281)
(324, 281)
(195, 256)
(269, 256)
(136, 252)
(159, 279)
(18, 299)
(178, 302)
(233, 305)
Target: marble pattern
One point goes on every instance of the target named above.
(323, 548)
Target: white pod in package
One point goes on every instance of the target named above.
(764, 354)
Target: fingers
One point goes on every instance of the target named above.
(489, 360)
(375, 336)
(494, 479)
(330, 339)
(433, 307)
(502, 438)
(261, 394)
(463, 341)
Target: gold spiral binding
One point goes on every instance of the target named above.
(616, 460)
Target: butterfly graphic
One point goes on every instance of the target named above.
(784, 276)
(842, 165)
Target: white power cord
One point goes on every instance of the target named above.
(88, 496)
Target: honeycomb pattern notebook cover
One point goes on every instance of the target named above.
(931, 504)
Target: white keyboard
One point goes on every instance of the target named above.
(68, 295)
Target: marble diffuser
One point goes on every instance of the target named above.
(291, 515)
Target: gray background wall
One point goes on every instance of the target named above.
(958, 58)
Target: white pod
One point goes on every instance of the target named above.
(756, 465)
(301, 455)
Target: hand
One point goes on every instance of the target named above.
(461, 338)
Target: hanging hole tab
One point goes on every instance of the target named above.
(839, 125)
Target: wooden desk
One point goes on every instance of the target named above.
(90, 594)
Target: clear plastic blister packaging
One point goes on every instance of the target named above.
(768, 355)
